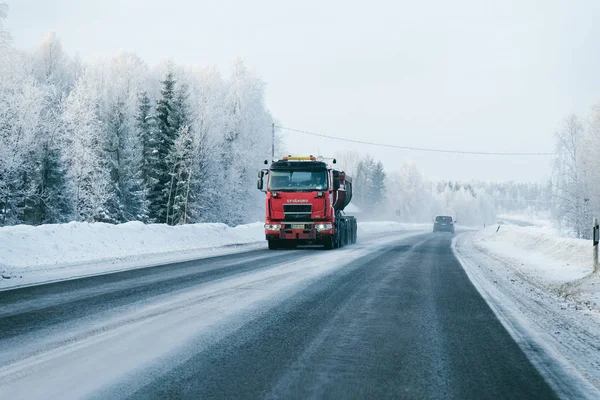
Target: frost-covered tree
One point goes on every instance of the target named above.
(208, 115)
(51, 65)
(166, 135)
(569, 179)
(377, 192)
(49, 200)
(83, 141)
(89, 175)
(147, 139)
(180, 162)
(21, 101)
(246, 141)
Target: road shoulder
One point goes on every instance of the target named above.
(561, 339)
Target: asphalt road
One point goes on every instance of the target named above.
(403, 321)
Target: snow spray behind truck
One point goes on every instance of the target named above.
(305, 203)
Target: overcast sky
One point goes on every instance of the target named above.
(467, 75)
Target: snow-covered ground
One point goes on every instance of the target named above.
(561, 265)
(542, 288)
(30, 255)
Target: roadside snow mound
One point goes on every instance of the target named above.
(35, 254)
(543, 257)
(76, 242)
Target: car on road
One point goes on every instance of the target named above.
(443, 223)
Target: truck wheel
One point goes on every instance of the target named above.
(273, 245)
(328, 242)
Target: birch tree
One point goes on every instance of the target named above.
(569, 179)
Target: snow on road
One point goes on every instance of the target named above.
(540, 287)
(128, 344)
(31, 255)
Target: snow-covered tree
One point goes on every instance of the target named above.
(83, 141)
(246, 141)
(569, 179)
(89, 175)
(148, 142)
(180, 162)
(377, 193)
(166, 135)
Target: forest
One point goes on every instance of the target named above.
(114, 140)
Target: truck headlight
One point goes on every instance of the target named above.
(323, 227)
(272, 227)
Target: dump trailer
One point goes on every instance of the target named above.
(305, 201)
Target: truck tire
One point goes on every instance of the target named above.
(329, 243)
(273, 245)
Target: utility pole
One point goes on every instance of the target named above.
(272, 140)
(596, 239)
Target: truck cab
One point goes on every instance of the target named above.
(305, 199)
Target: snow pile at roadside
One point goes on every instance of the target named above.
(560, 265)
(47, 245)
(44, 253)
(537, 254)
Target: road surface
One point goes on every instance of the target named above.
(393, 316)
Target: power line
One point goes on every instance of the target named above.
(393, 146)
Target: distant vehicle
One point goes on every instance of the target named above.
(443, 223)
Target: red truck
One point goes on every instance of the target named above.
(305, 203)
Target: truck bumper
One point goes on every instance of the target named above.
(307, 234)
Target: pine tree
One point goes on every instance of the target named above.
(50, 200)
(166, 135)
(180, 159)
(114, 160)
(148, 160)
(377, 184)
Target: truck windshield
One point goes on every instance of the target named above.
(297, 180)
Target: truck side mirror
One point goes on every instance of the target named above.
(259, 184)
(336, 184)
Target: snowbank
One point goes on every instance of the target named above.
(45, 253)
(47, 245)
(538, 254)
(560, 265)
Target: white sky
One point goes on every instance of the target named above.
(468, 75)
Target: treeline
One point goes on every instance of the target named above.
(114, 140)
(406, 196)
(533, 199)
(576, 174)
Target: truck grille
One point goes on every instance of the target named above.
(297, 212)
(297, 208)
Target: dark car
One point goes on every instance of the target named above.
(443, 223)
